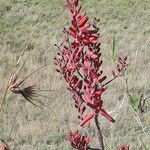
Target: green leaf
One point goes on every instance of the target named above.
(143, 144)
(133, 102)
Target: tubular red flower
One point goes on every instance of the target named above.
(86, 119)
(106, 115)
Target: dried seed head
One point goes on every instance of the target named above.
(14, 83)
(28, 92)
(12, 80)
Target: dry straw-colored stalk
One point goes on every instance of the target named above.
(8, 82)
(30, 92)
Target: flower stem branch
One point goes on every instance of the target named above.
(108, 82)
(99, 133)
(90, 148)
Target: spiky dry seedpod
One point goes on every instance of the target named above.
(15, 83)
(3, 145)
(28, 92)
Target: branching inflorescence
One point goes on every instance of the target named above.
(80, 63)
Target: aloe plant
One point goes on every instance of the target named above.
(79, 62)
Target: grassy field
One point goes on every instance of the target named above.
(41, 22)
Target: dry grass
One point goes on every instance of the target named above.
(24, 126)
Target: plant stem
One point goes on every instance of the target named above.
(108, 82)
(99, 133)
(90, 148)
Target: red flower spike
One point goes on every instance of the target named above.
(79, 61)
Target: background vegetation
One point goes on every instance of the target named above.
(24, 126)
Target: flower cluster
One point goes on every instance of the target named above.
(79, 61)
(123, 147)
(121, 66)
(78, 141)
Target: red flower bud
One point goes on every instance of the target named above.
(86, 119)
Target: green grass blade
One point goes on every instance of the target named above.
(114, 47)
(143, 144)
(133, 102)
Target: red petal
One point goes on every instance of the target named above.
(98, 92)
(78, 84)
(78, 9)
(89, 42)
(74, 24)
(88, 101)
(82, 110)
(83, 21)
(72, 32)
(84, 28)
(114, 74)
(105, 114)
(86, 119)
(90, 31)
(91, 54)
(75, 2)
